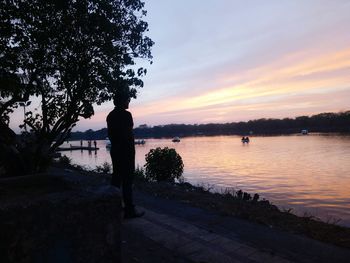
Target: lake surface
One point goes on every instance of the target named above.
(310, 173)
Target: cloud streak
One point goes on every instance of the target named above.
(277, 82)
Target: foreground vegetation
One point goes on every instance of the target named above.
(246, 206)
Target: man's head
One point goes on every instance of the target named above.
(121, 101)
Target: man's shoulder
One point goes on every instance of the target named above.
(110, 114)
(116, 113)
(128, 113)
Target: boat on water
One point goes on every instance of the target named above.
(304, 132)
(245, 139)
(176, 139)
(140, 142)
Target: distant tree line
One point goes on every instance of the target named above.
(324, 122)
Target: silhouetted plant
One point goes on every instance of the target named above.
(287, 210)
(163, 165)
(70, 55)
(246, 196)
(105, 168)
(140, 173)
(239, 194)
(205, 187)
(64, 160)
(228, 192)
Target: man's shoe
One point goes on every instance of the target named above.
(133, 214)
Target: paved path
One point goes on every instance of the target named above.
(189, 234)
(197, 244)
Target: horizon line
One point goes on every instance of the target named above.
(266, 118)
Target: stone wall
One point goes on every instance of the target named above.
(65, 217)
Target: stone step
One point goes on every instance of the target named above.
(196, 243)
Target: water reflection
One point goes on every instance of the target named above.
(309, 173)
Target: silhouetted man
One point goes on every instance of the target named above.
(120, 132)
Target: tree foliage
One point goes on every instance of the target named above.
(323, 122)
(163, 165)
(70, 55)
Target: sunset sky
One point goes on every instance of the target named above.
(226, 61)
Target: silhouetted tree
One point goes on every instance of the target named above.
(324, 122)
(70, 55)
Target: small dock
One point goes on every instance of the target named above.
(75, 148)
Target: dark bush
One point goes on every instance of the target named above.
(139, 173)
(163, 165)
(64, 160)
(105, 168)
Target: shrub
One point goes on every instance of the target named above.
(105, 168)
(64, 160)
(140, 173)
(163, 165)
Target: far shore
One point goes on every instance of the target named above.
(213, 135)
(327, 122)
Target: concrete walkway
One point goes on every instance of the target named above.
(172, 231)
(197, 244)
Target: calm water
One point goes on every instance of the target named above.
(310, 174)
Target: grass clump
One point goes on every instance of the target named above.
(105, 168)
(64, 161)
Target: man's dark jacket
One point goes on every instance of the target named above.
(120, 132)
